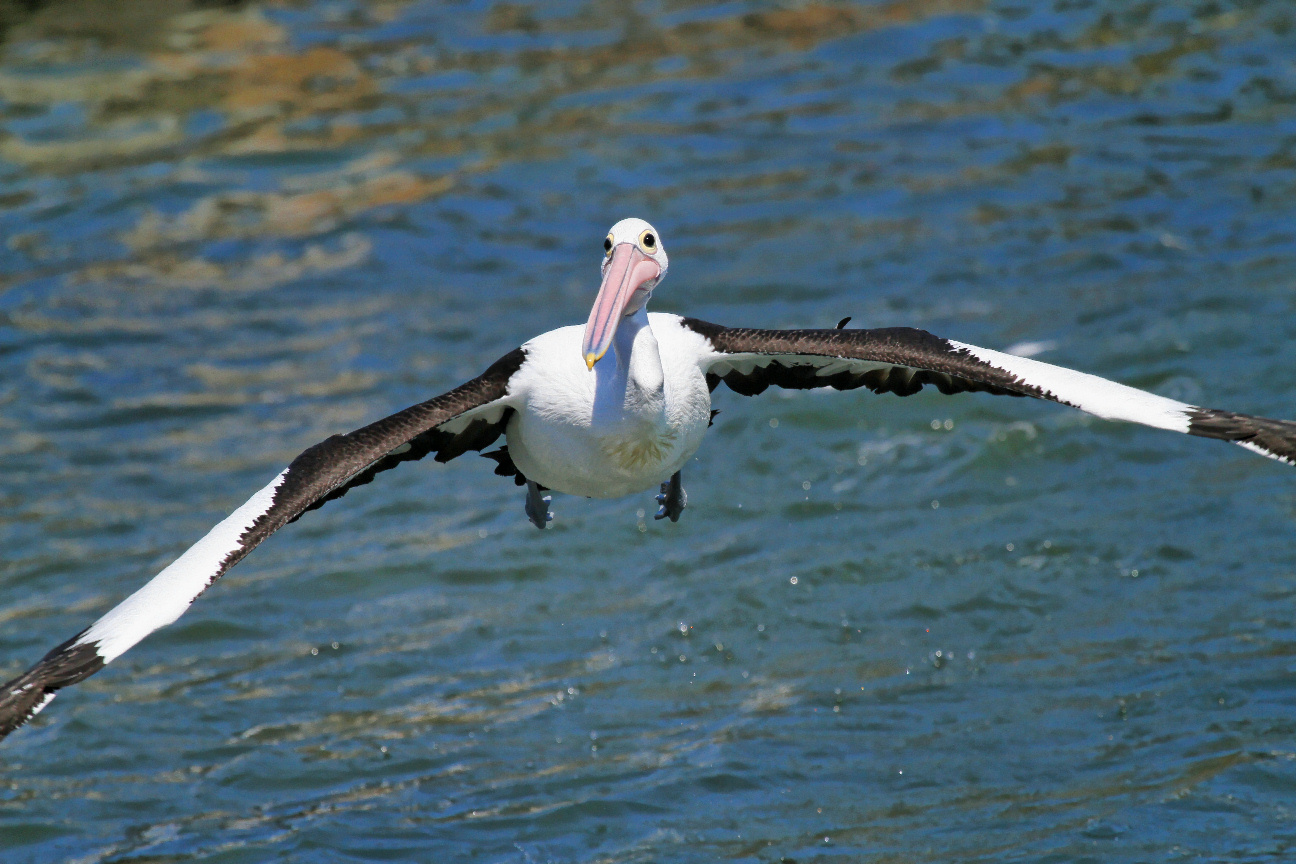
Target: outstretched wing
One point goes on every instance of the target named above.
(902, 360)
(469, 417)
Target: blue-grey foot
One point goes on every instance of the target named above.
(673, 499)
(537, 506)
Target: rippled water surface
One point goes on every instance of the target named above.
(927, 629)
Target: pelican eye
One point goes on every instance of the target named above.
(607, 244)
(648, 240)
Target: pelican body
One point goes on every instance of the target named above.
(629, 422)
(578, 421)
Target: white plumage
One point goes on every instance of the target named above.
(618, 428)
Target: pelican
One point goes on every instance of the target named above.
(579, 422)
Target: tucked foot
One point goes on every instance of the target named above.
(673, 499)
(537, 506)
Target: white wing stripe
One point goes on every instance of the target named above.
(40, 706)
(1256, 448)
(1089, 393)
(167, 595)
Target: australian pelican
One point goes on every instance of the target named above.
(606, 429)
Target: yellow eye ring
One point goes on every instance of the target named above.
(607, 245)
(648, 241)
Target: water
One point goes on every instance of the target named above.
(929, 629)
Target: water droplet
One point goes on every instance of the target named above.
(314, 651)
(935, 504)
(335, 646)
(1010, 547)
(640, 513)
(805, 484)
(948, 424)
(773, 422)
(760, 628)
(793, 580)
(935, 424)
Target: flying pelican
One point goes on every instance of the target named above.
(609, 429)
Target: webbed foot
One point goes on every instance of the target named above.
(537, 506)
(673, 499)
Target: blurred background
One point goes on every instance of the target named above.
(930, 629)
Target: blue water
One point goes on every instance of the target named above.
(927, 629)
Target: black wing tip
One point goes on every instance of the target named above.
(22, 698)
(1273, 438)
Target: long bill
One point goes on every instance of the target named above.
(625, 275)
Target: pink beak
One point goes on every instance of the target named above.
(625, 275)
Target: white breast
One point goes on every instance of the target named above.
(596, 433)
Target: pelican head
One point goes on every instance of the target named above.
(634, 262)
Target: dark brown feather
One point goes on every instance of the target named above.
(918, 359)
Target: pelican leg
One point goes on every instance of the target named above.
(537, 506)
(673, 498)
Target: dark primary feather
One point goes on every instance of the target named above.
(1277, 437)
(67, 664)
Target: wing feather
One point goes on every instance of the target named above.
(903, 360)
(469, 417)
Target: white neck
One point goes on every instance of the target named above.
(638, 357)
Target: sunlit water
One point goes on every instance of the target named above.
(928, 629)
